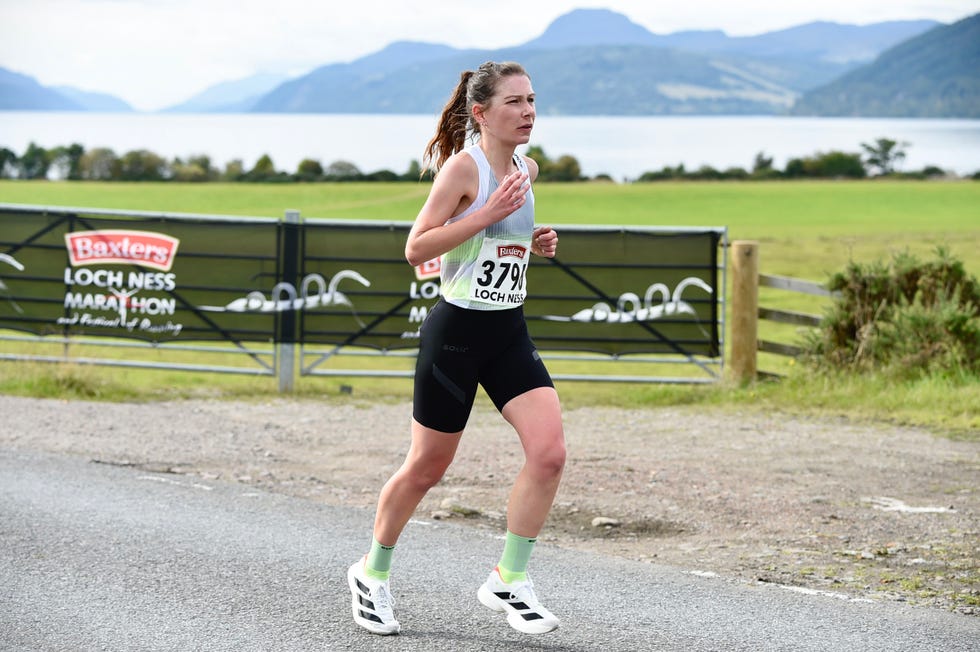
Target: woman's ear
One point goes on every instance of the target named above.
(478, 116)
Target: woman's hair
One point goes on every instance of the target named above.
(456, 122)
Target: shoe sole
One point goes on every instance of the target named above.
(514, 619)
(373, 627)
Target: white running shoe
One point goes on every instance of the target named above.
(371, 602)
(524, 612)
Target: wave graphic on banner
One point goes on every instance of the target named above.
(10, 260)
(629, 308)
(324, 295)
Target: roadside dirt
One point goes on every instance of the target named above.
(859, 511)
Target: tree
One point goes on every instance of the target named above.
(234, 170)
(762, 167)
(309, 170)
(414, 172)
(197, 168)
(8, 163)
(835, 164)
(34, 163)
(263, 170)
(566, 168)
(99, 164)
(795, 167)
(143, 165)
(342, 171)
(884, 154)
(67, 161)
(536, 153)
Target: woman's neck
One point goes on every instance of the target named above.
(499, 155)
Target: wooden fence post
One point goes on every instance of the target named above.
(745, 310)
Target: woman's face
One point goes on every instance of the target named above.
(510, 113)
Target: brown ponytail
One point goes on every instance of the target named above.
(456, 121)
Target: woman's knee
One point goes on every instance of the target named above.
(424, 476)
(549, 460)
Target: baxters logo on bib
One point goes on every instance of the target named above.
(515, 251)
(122, 247)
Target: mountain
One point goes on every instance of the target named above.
(824, 41)
(337, 87)
(598, 62)
(23, 93)
(936, 74)
(90, 101)
(581, 27)
(235, 96)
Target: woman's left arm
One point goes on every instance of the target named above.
(544, 241)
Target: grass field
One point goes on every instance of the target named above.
(806, 229)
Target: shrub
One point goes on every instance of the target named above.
(907, 319)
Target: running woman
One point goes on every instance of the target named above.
(479, 217)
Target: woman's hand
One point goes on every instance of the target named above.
(508, 197)
(544, 242)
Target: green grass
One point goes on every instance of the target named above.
(806, 229)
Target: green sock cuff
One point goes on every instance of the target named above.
(378, 562)
(514, 560)
(376, 575)
(510, 577)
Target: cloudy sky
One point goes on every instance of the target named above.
(156, 53)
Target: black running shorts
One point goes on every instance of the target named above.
(460, 349)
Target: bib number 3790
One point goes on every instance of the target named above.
(500, 274)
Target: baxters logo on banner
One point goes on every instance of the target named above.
(127, 297)
(429, 269)
(141, 248)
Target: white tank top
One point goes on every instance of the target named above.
(489, 271)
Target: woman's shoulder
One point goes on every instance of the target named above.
(532, 167)
(460, 166)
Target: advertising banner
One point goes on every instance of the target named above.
(132, 276)
(611, 290)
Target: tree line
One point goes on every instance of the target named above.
(881, 157)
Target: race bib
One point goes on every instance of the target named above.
(500, 274)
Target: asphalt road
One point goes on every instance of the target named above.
(96, 557)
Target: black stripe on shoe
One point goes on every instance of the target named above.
(366, 615)
(365, 602)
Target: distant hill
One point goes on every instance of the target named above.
(236, 96)
(90, 101)
(583, 27)
(823, 41)
(23, 93)
(367, 85)
(826, 41)
(598, 62)
(935, 74)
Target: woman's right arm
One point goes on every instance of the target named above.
(455, 188)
